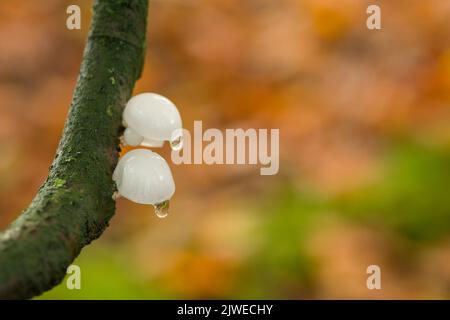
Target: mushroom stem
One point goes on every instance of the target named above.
(132, 138)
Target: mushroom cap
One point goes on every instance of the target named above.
(152, 116)
(144, 177)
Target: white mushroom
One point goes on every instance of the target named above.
(144, 177)
(151, 119)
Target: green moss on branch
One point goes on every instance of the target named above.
(74, 205)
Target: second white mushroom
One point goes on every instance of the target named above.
(144, 177)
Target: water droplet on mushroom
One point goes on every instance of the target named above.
(162, 209)
(176, 144)
(176, 141)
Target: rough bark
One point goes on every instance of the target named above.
(74, 205)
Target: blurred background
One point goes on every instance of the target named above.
(364, 119)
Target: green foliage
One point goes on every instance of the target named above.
(412, 197)
(282, 263)
(104, 275)
(409, 199)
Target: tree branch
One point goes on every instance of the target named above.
(74, 205)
